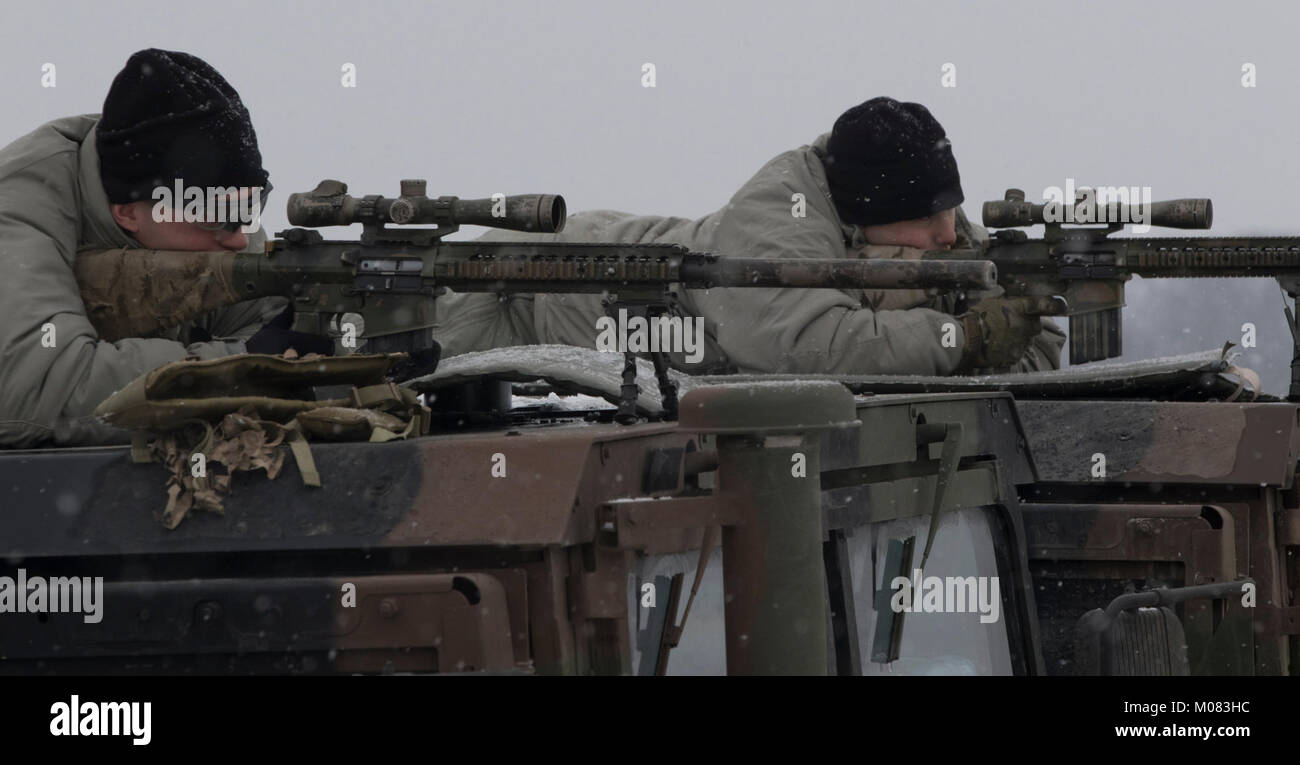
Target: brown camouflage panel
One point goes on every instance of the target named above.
(415, 557)
(1193, 493)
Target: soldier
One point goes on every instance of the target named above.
(87, 182)
(882, 183)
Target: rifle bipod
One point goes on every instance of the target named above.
(629, 391)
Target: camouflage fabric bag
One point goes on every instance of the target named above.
(239, 411)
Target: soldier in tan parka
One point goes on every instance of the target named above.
(883, 183)
(85, 183)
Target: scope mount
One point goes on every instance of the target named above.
(374, 211)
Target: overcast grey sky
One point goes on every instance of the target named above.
(524, 97)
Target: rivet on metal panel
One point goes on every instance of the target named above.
(388, 608)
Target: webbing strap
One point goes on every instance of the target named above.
(379, 435)
(302, 455)
(141, 452)
(377, 396)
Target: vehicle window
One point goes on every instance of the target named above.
(702, 650)
(966, 634)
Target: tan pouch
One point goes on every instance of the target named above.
(238, 411)
(190, 389)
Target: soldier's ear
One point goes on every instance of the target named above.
(129, 216)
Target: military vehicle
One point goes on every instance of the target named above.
(1111, 518)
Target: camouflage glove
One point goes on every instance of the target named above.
(275, 337)
(892, 299)
(1000, 329)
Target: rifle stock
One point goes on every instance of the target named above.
(143, 293)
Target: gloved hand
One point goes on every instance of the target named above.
(419, 363)
(275, 337)
(1000, 329)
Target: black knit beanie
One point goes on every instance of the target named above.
(889, 161)
(169, 116)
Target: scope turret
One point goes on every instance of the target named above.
(1014, 211)
(330, 205)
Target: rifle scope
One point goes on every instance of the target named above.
(330, 205)
(1014, 211)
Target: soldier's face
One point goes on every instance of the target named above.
(937, 232)
(137, 218)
